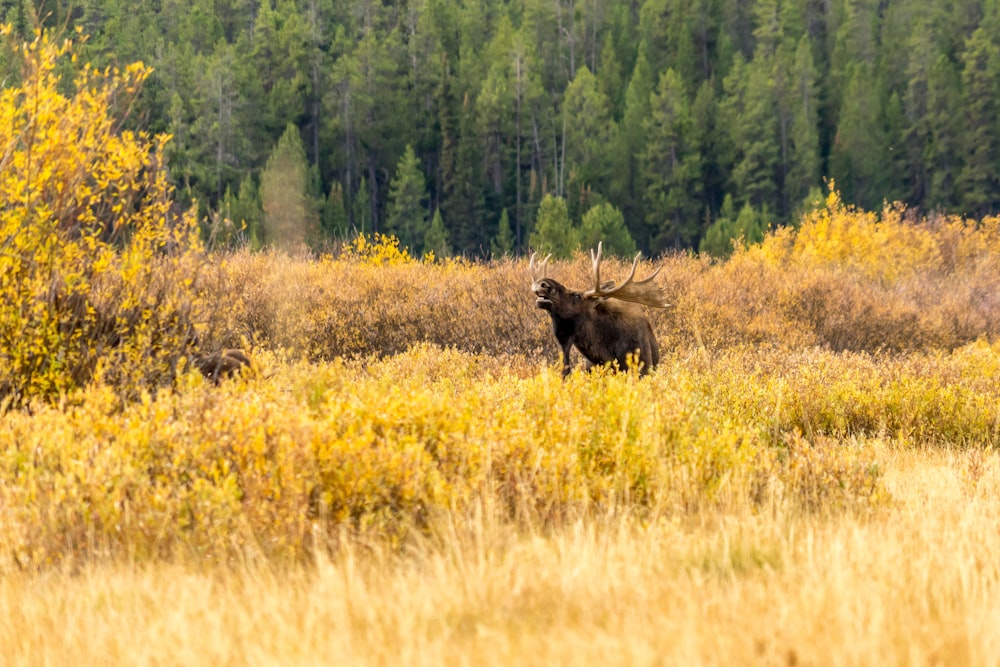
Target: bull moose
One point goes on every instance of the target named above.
(604, 323)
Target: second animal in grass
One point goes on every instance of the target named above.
(604, 323)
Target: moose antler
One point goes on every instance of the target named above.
(642, 291)
(538, 271)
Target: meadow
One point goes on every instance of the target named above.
(809, 477)
(402, 476)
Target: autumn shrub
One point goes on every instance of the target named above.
(356, 305)
(845, 279)
(934, 397)
(99, 277)
(304, 454)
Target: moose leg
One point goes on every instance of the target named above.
(565, 357)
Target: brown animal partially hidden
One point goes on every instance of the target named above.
(603, 323)
(224, 364)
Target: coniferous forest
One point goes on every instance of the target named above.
(478, 127)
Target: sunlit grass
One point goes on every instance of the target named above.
(914, 584)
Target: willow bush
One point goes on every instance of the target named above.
(99, 275)
(844, 279)
(304, 454)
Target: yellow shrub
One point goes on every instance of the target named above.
(378, 249)
(97, 273)
(884, 247)
(279, 464)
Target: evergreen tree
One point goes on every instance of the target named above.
(980, 176)
(493, 111)
(857, 159)
(896, 169)
(750, 115)
(289, 218)
(745, 229)
(507, 102)
(672, 167)
(941, 157)
(280, 58)
(436, 239)
(609, 76)
(627, 185)
(361, 212)
(718, 239)
(803, 163)
(334, 219)
(587, 132)
(707, 135)
(246, 212)
(463, 200)
(554, 231)
(605, 223)
(502, 245)
(407, 215)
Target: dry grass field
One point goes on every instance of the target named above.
(810, 477)
(914, 584)
(781, 490)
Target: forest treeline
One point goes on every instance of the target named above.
(478, 126)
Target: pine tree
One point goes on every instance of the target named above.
(627, 185)
(335, 213)
(289, 217)
(750, 115)
(745, 229)
(494, 120)
(857, 158)
(246, 211)
(718, 239)
(587, 131)
(605, 224)
(980, 176)
(463, 200)
(554, 231)
(672, 167)
(804, 161)
(502, 245)
(280, 58)
(407, 215)
(609, 76)
(436, 239)
(941, 157)
(361, 211)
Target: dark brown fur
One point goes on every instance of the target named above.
(603, 330)
(219, 365)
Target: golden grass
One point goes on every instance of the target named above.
(917, 584)
(809, 477)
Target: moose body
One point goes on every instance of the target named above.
(604, 324)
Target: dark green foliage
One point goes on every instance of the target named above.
(335, 213)
(505, 103)
(407, 215)
(729, 229)
(605, 223)
(979, 179)
(436, 239)
(502, 245)
(554, 231)
(671, 165)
